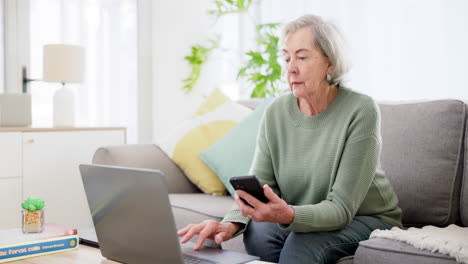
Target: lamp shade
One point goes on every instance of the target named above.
(63, 63)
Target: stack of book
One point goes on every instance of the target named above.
(15, 245)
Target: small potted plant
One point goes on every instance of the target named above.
(33, 215)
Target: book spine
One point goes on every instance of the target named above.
(37, 248)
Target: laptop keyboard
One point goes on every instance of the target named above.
(188, 259)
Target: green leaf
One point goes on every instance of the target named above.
(268, 26)
(230, 7)
(33, 204)
(255, 77)
(196, 59)
(259, 90)
(242, 72)
(256, 57)
(263, 69)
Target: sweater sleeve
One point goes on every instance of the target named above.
(262, 167)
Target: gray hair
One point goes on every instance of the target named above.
(329, 39)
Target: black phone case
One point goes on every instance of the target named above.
(251, 185)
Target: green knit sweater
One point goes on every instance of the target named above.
(325, 166)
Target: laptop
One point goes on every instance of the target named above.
(88, 237)
(133, 218)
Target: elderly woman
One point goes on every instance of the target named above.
(317, 154)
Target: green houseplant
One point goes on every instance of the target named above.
(262, 70)
(196, 59)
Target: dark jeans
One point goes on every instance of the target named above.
(271, 243)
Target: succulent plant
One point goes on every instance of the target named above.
(33, 203)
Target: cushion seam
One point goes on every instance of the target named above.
(464, 167)
(455, 177)
(194, 211)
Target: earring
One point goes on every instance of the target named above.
(329, 79)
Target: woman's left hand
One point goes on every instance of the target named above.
(275, 211)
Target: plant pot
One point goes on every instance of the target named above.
(33, 221)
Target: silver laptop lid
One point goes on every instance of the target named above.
(131, 214)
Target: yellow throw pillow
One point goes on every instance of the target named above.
(215, 99)
(197, 134)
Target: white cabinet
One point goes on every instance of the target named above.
(10, 154)
(10, 200)
(10, 179)
(48, 169)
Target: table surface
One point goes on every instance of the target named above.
(82, 255)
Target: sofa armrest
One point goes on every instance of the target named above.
(148, 156)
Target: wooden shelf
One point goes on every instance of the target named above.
(40, 129)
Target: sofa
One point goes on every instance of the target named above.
(424, 156)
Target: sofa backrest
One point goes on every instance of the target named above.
(464, 194)
(422, 156)
(251, 103)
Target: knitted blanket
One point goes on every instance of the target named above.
(451, 240)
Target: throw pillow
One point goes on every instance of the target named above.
(215, 99)
(194, 135)
(233, 154)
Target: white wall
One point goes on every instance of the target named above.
(145, 72)
(176, 26)
(401, 49)
(418, 49)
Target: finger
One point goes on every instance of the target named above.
(270, 194)
(249, 198)
(220, 237)
(199, 243)
(241, 204)
(193, 231)
(243, 207)
(246, 210)
(184, 230)
(207, 231)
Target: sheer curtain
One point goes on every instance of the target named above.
(2, 48)
(107, 29)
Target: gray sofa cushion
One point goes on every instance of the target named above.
(209, 205)
(421, 156)
(464, 199)
(148, 156)
(198, 207)
(386, 251)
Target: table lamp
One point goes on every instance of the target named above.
(64, 64)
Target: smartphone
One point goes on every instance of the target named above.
(250, 185)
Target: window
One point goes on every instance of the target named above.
(107, 29)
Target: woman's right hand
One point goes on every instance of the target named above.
(219, 232)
